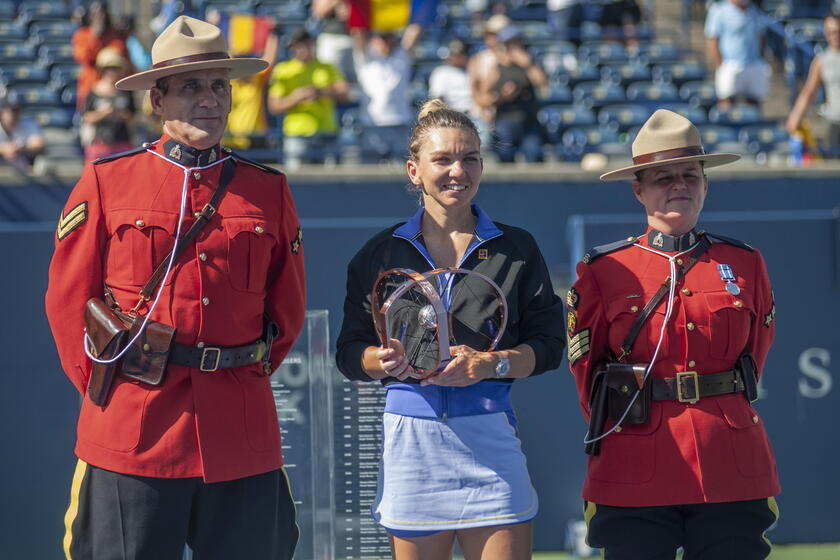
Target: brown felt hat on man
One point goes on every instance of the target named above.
(186, 45)
(665, 138)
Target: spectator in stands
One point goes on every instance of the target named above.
(95, 34)
(735, 35)
(138, 55)
(334, 44)
(21, 139)
(248, 99)
(383, 67)
(825, 72)
(109, 112)
(450, 81)
(619, 19)
(482, 83)
(306, 90)
(565, 17)
(517, 77)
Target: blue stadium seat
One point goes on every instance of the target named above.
(597, 94)
(12, 32)
(24, 75)
(806, 29)
(623, 116)
(557, 118)
(679, 73)
(69, 95)
(764, 137)
(597, 52)
(558, 94)
(699, 93)
(7, 10)
(17, 52)
(56, 117)
(53, 31)
(45, 11)
(738, 115)
(590, 31)
(652, 93)
(583, 73)
(622, 73)
(658, 53)
(589, 135)
(33, 96)
(713, 134)
(55, 52)
(534, 31)
(696, 115)
(65, 73)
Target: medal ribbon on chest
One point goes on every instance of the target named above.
(728, 276)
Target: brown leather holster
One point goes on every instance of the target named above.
(109, 330)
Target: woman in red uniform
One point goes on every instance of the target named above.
(684, 461)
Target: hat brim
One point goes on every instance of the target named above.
(239, 68)
(711, 160)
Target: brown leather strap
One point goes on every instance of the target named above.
(228, 168)
(191, 58)
(669, 154)
(214, 358)
(688, 262)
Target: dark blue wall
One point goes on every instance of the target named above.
(800, 245)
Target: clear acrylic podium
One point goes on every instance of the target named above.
(331, 431)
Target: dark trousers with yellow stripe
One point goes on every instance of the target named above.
(116, 516)
(710, 531)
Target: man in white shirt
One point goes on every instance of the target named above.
(383, 69)
(20, 137)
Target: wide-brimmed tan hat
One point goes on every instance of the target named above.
(186, 45)
(496, 23)
(665, 138)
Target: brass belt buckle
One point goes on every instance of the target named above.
(205, 358)
(688, 387)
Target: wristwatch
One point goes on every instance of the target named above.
(502, 367)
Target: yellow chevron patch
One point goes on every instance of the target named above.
(73, 219)
(578, 346)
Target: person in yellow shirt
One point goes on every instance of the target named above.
(247, 113)
(305, 91)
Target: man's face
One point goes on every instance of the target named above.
(303, 50)
(9, 117)
(195, 108)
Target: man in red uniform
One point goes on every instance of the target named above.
(197, 458)
(684, 461)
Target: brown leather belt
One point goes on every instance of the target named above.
(690, 387)
(214, 358)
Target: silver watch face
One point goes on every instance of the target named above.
(502, 367)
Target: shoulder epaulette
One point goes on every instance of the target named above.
(256, 164)
(112, 157)
(602, 250)
(729, 240)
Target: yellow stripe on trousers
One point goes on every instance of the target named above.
(73, 508)
(774, 507)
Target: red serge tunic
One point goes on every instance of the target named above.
(715, 450)
(117, 225)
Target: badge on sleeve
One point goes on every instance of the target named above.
(571, 322)
(771, 315)
(572, 299)
(297, 242)
(578, 346)
(71, 220)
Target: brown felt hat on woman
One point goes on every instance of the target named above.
(667, 137)
(186, 45)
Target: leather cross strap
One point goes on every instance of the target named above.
(203, 218)
(690, 387)
(688, 262)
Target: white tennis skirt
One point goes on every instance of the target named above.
(467, 471)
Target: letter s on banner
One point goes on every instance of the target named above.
(813, 363)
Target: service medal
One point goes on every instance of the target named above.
(728, 276)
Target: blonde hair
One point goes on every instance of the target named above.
(435, 114)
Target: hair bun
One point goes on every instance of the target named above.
(431, 106)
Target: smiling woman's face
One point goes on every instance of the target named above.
(673, 195)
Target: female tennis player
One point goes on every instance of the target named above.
(452, 465)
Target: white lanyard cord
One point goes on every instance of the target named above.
(87, 342)
(669, 307)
